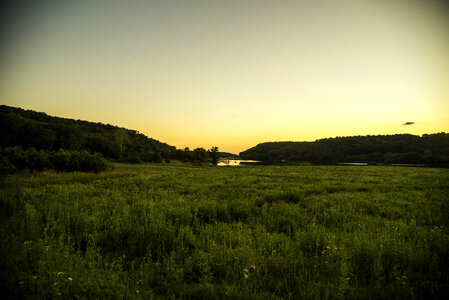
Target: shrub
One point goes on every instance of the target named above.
(61, 160)
(13, 159)
(85, 162)
(16, 158)
(5, 165)
(37, 160)
(133, 158)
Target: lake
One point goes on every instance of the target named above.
(235, 162)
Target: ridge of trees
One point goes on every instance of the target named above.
(200, 155)
(27, 129)
(430, 149)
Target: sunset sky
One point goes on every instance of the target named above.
(231, 73)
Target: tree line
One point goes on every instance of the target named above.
(429, 149)
(13, 159)
(27, 128)
(22, 129)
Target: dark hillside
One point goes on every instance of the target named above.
(27, 128)
(432, 149)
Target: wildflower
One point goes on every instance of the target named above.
(246, 276)
(137, 291)
(69, 279)
(347, 278)
(245, 270)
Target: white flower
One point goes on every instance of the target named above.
(69, 279)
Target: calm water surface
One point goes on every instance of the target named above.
(235, 162)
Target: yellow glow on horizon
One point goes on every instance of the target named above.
(233, 74)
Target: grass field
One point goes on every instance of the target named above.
(181, 231)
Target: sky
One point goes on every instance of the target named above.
(230, 73)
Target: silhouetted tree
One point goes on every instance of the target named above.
(214, 155)
(199, 155)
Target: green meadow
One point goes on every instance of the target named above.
(180, 231)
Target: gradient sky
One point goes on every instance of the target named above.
(231, 73)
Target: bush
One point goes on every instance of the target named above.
(13, 159)
(5, 165)
(37, 160)
(133, 158)
(85, 162)
(61, 160)
(96, 163)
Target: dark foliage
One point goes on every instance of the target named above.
(18, 159)
(200, 155)
(430, 149)
(214, 155)
(27, 128)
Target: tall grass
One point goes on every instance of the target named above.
(180, 231)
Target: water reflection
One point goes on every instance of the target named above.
(235, 162)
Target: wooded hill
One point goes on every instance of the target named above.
(27, 128)
(431, 149)
(30, 129)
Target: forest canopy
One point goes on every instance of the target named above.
(27, 128)
(35, 137)
(430, 149)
